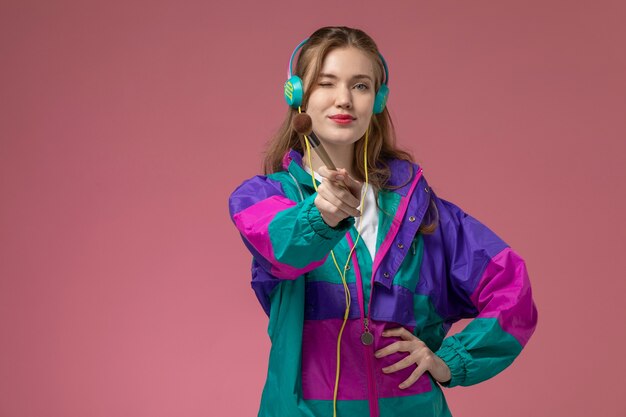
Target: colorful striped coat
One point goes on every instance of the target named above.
(422, 282)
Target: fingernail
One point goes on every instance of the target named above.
(340, 177)
(402, 386)
(377, 354)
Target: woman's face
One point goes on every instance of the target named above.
(342, 99)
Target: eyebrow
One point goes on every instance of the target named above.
(355, 77)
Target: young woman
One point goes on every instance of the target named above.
(362, 269)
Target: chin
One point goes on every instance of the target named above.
(338, 140)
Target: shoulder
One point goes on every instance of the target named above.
(253, 190)
(451, 213)
(454, 223)
(259, 188)
(459, 226)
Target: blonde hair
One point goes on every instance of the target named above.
(382, 136)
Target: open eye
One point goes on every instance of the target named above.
(362, 86)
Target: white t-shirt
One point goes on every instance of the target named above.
(369, 217)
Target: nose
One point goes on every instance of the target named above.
(343, 98)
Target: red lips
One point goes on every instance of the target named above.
(341, 117)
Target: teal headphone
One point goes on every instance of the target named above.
(294, 88)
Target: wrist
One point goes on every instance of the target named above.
(443, 373)
(328, 223)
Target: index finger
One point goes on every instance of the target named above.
(327, 173)
(354, 186)
(393, 348)
(400, 332)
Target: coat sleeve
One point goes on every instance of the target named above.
(287, 239)
(490, 283)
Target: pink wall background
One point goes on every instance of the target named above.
(124, 126)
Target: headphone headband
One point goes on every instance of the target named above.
(301, 44)
(293, 54)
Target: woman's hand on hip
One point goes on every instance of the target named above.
(338, 196)
(419, 354)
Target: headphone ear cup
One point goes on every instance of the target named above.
(294, 91)
(381, 99)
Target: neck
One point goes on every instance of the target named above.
(342, 157)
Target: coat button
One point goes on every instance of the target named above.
(412, 218)
(386, 274)
(400, 245)
(347, 267)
